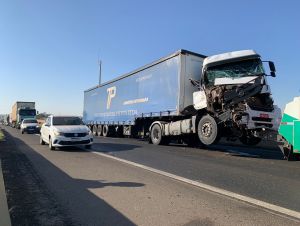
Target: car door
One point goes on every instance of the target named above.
(46, 130)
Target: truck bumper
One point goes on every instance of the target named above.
(262, 120)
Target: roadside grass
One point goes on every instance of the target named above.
(1, 136)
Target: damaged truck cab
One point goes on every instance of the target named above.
(235, 97)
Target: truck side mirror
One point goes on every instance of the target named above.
(272, 68)
(273, 74)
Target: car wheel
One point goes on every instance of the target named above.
(50, 145)
(42, 142)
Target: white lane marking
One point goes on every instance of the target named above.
(230, 194)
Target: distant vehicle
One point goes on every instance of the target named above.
(22, 110)
(289, 130)
(61, 131)
(187, 96)
(29, 126)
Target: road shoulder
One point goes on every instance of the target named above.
(4, 213)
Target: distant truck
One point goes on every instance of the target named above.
(22, 110)
(289, 131)
(187, 96)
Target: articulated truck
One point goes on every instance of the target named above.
(22, 110)
(189, 97)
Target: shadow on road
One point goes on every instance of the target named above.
(237, 151)
(57, 200)
(114, 147)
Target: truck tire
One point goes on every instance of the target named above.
(99, 130)
(208, 131)
(250, 140)
(105, 131)
(50, 145)
(157, 137)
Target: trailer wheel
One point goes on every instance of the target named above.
(208, 131)
(250, 140)
(94, 130)
(105, 131)
(99, 130)
(156, 135)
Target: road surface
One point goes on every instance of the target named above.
(74, 186)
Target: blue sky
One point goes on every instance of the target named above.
(49, 49)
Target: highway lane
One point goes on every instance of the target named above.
(266, 176)
(74, 176)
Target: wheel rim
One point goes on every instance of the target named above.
(155, 134)
(206, 129)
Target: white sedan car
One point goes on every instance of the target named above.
(29, 126)
(61, 131)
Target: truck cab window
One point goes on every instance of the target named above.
(234, 70)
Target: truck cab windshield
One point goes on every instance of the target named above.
(27, 112)
(233, 70)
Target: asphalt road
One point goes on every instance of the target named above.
(254, 172)
(88, 189)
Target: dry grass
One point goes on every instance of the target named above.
(1, 136)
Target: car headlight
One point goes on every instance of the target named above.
(56, 133)
(90, 132)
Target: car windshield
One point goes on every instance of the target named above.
(67, 121)
(30, 121)
(233, 70)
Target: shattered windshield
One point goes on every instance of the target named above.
(233, 70)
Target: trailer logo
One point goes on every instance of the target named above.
(111, 93)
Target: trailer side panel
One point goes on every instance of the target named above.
(152, 91)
